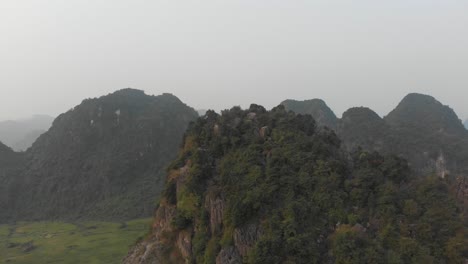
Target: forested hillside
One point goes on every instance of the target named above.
(257, 186)
(104, 159)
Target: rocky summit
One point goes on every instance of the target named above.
(257, 186)
(104, 159)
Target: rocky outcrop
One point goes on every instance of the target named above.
(246, 237)
(215, 207)
(229, 255)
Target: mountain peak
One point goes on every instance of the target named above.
(317, 108)
(361, 127)
(129, 91)
(426, 113)
(113, 148)
(361, 112)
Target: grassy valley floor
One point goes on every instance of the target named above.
(58, 242)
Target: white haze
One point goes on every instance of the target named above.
(216, 54)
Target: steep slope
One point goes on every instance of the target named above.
(269, 187)
(20, 134)
(429, 134)
(10, 166)
(104, 159)
(425, 113)
(317, 108)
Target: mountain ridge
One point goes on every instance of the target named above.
(420, 129)
(103, 159)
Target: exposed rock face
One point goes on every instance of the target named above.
(216, 208)
(229, 255)
(245, 238)
(104, 159)
(317, 108)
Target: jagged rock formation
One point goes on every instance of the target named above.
(317, 108)
(21, 134)
(104, 159)
(289, 194)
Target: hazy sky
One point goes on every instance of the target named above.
(216, 54)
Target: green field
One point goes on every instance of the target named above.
(58, 242)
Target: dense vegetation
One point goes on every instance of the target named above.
(103, 160)
(420, 129)
(10, 165)
(269, 187)
(58, 242)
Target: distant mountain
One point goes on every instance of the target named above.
(429, 134)
(362, 127)
(317, 108)
(426, 114)
(257, 186)
(466, 124)
(20, 134)
(105, 159)
(421, 129)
